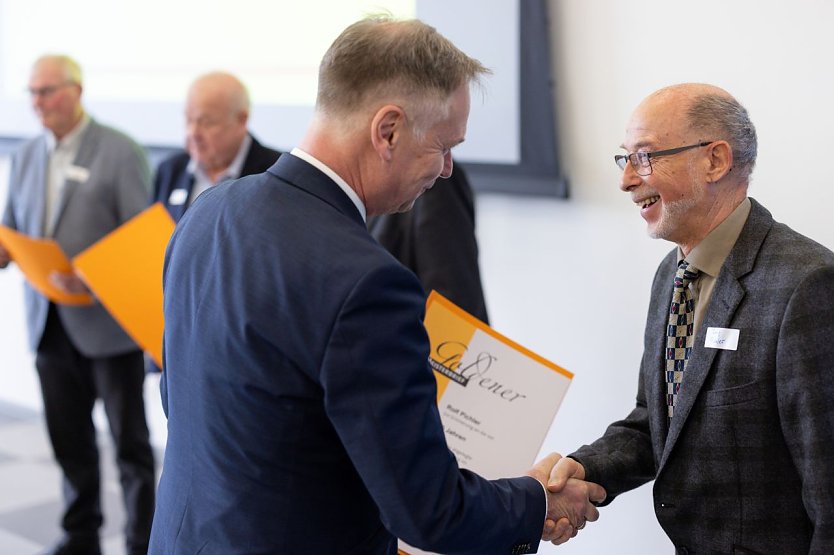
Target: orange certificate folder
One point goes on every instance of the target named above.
(37, 258)
(124, 270)
(497, 400)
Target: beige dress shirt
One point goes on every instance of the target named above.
(709, 255)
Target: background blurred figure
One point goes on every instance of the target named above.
(76, 183)
(436, 240)
(218, 144)
(302, 415)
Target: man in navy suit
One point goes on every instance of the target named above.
(301, 409)
(740, 440)
(219, 146)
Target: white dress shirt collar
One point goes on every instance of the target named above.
(71, 140)
(312, 160)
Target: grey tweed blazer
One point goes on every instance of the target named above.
(747, 465)
(116, 189)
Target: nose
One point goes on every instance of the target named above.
(447, 166)
(629, 179)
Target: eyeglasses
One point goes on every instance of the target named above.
(49, 90)
(642, 161)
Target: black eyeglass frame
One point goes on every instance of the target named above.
(643, 160)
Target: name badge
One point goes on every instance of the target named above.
(77, 173)
(722, 338)
(178, 197)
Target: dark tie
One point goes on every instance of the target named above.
(679, 332)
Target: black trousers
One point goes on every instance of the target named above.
(70, 384)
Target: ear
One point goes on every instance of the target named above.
(242, 117)
(720, 161)
(386, 129)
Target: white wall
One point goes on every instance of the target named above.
(551, 266)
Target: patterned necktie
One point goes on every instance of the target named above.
(679, 332)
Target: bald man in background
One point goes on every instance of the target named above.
(218, 144)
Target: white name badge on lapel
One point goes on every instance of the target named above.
(722, 338)
(77, 173)
(177, 197)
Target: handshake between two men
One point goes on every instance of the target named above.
(570, 499)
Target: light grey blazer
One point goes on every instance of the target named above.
(747, 465)
(117, 189)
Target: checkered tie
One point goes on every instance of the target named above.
(679, 332)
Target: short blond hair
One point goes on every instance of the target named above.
(380, 59)
(71, 68)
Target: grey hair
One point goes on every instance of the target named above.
(723, 117)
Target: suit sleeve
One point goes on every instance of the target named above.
(805, 396)
(380, 395)
(621, 459)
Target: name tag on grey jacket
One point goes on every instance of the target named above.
(177, 197)
(722, 338)
(77, 173)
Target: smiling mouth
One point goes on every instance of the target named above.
(645, 203)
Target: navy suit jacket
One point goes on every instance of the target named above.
(301, 409)
(747, 464)
(172, 174)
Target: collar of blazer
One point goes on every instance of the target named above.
(305, 176)
(726, 296)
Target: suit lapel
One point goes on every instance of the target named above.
(184, 183)
(39, 184)
(726, 297)
(84, 159)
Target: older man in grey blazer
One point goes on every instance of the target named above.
(735, 408)
(76, 183)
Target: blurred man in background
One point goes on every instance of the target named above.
(218, 144)
(76, 183)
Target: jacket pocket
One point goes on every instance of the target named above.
(734, 395)
(740, 550)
